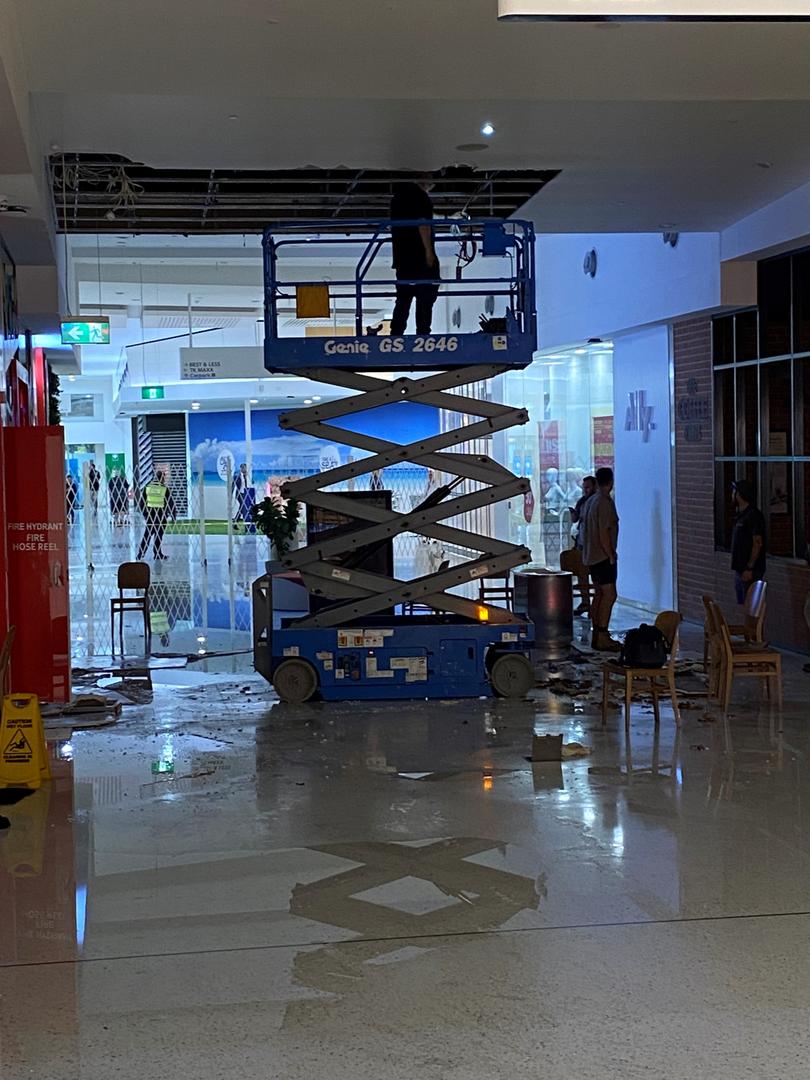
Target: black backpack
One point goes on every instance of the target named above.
(644, 647)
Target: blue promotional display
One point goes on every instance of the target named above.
(370, 634)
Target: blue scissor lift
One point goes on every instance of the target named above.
(370, 635)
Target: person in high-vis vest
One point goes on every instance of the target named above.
(157, 505)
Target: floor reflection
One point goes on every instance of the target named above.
(215, 849)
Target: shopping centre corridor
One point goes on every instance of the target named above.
(223, 882)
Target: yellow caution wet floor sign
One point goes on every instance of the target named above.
(23, 753)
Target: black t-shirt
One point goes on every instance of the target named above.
(410, 202)
(748, 524)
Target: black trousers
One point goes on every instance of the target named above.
(425, 296)
(155, 527)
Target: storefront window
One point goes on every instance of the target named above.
(569, 395)
(761, 430)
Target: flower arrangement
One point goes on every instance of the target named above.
(278, 523)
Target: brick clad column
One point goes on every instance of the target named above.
(694, 464)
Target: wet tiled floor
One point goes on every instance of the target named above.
(221, 886)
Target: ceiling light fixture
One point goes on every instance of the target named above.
(307, 400)
(487, 129)
(316, 397)
(254, 401)
(195, 404)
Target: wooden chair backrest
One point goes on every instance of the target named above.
(134, 575)
(755, 605)
(711, 621)
(721, 631)
(669, 623)
(571, 562)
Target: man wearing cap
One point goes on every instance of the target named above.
(747, 539)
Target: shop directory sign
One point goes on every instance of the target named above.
(95, 331)
(674, 10)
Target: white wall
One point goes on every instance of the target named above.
(114, 435)
(640, 281)
(643, 470)
(781, 225)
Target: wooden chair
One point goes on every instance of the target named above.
(132, 577)
(5, 658)
(751, 629)
(499, 592)
(744, 660)
(571, 563)
(654, 681)
(712, 649)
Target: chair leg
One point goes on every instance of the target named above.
(673, 693)
(725, 700)
(112, 630)
(779, 699)
(605, 694)
(715, 673)
(628, 698)
(655, 704)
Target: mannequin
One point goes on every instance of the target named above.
(554, 496)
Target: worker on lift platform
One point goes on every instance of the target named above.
(415, 257)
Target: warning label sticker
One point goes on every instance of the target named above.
(18, 748)
(415, 667)
(362, 639)
(374, 672)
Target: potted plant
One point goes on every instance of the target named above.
(279, 525)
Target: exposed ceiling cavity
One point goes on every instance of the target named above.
(108, 194)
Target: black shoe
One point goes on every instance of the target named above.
(4, 823)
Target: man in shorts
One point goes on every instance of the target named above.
(600, 538)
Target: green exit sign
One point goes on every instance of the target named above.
(86, 331)
(152, 393)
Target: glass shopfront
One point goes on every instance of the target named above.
(569, 395)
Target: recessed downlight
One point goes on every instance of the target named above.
(487, 129)
(195, 405)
